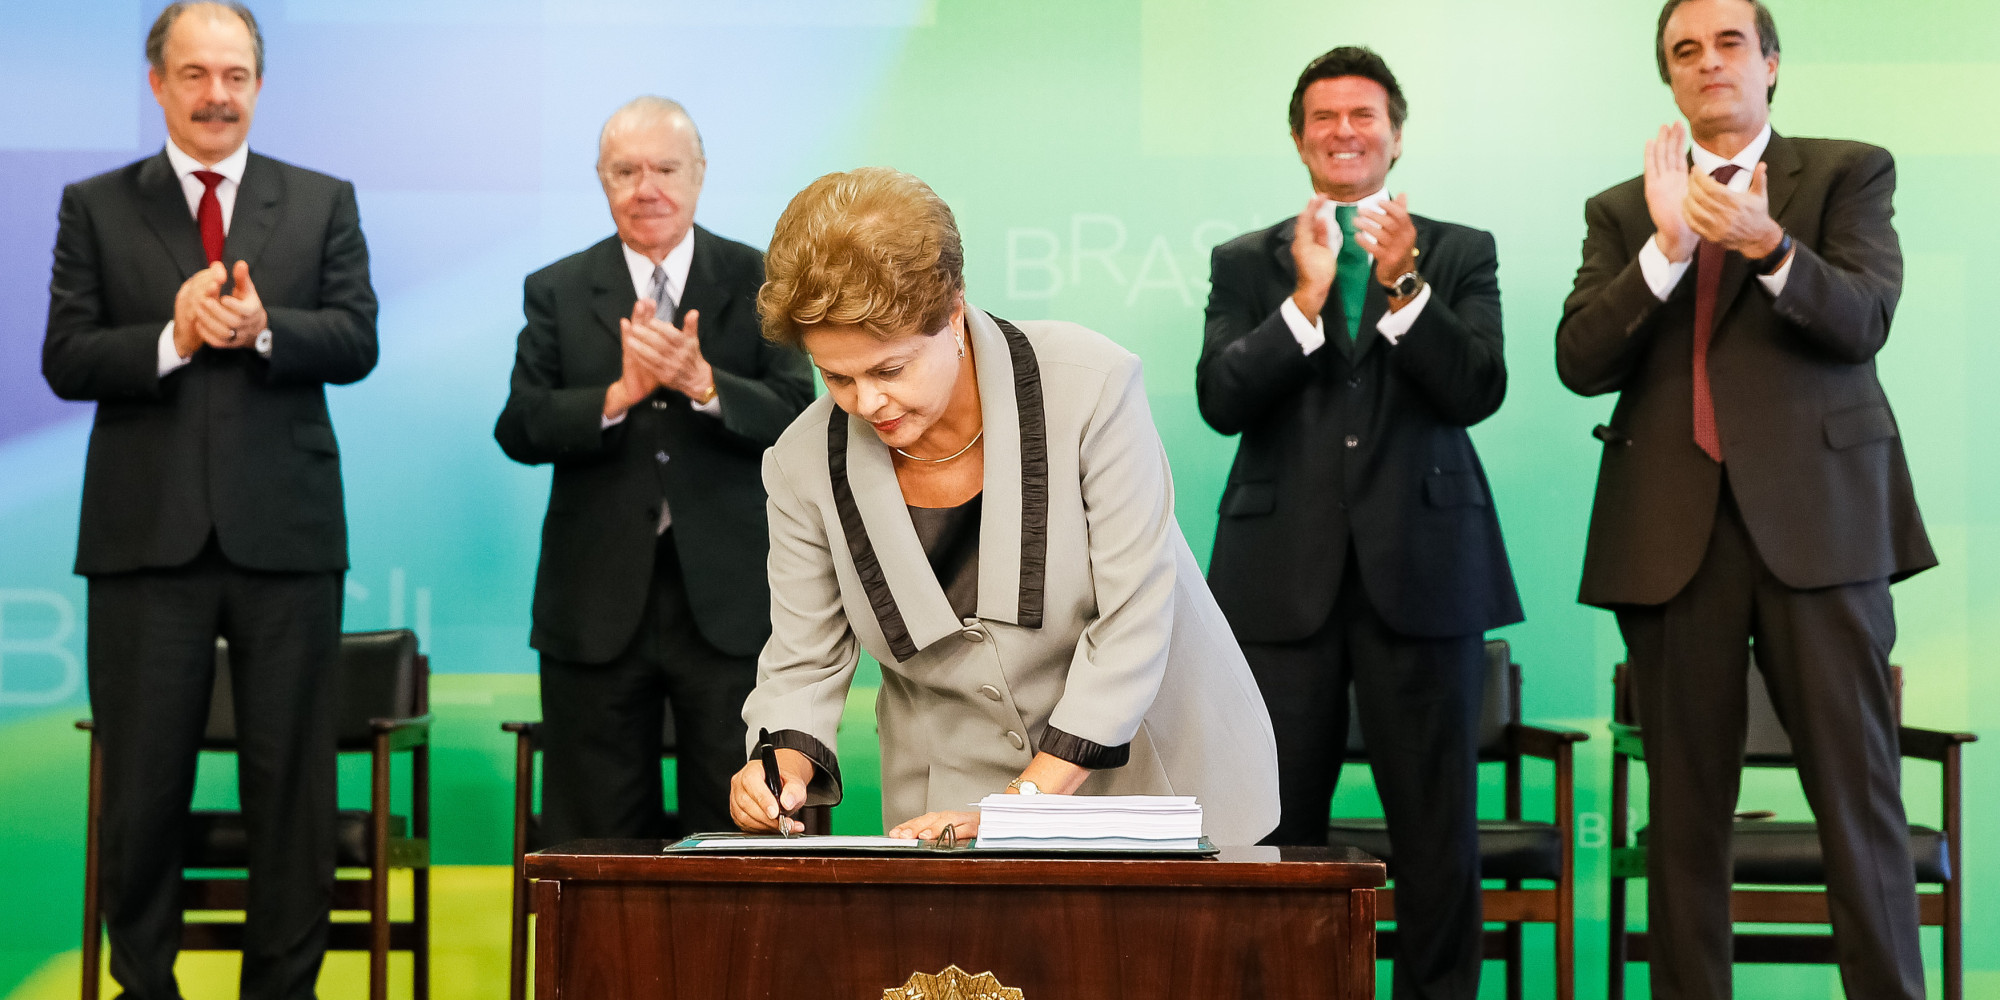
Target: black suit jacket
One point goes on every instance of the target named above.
(598, 537)
(1359, 440)
(230, 443)
(1812, 451)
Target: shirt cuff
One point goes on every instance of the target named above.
(713, 407)
(606, 423)
(170, 357)
(1661, 274)
(1775, 281)
(1082, 752)
(1311, 335)
(1393, 325)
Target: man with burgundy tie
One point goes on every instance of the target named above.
(1752, 496)
(643, 377)
(1358, 549)
(203, 298)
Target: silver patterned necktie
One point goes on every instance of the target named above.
(663, 300)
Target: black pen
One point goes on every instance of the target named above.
(772, 779)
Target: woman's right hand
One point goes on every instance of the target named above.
(750, 801)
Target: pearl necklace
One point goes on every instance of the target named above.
(947, 458)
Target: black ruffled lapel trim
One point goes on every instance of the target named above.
(1034, 473)
(866, 566)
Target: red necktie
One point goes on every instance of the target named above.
(1707, 283)
(208, 215)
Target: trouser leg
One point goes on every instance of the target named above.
(705, 691)
(1305, 690)
(1419, 702)
(600, 736)
(1690, 661)
(151, 672)
(284, 641)
(1825, 658)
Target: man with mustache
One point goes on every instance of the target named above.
(643, 377)
(1752, 497)
(203, 298)
(1351, 347)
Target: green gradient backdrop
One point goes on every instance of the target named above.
(1095, 151)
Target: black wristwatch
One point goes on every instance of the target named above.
(1768, 266)
(1404, 286)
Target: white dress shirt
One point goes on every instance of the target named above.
(1662, 274)
(231, 169)
(676, 263)
(1311, 335)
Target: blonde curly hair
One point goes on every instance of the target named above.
(874, 248)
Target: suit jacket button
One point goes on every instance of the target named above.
(1015, 738)
(1352, 442)
(992, 693)
(659, 404)
(1354, 383)
(661, 456)
(974, 635)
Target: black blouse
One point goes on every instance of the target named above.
(950, 537)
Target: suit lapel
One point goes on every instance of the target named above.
(703, 292)
(902, 589)
(612, 294)
(909, 604)
(256, 212)
(1014, 517)
(165, 207)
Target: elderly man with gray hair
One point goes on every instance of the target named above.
(643, 378)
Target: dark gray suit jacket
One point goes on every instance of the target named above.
(604, 504)
(1812, 451)
(231, 443)
(1359, 440)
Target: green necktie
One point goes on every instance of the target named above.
(1350, 270)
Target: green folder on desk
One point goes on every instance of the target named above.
(744, 843)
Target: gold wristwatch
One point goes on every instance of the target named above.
(705, 398)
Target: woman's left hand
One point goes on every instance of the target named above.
(930, 826)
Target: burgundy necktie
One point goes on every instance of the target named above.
(208, 215)
(1707, 282)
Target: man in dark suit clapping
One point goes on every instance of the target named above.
(1752, 495)
(1351, 347)
(643, 377)
(203, 297)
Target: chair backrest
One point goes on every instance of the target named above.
(1765, 742)
(1501, 706)
(381, 676)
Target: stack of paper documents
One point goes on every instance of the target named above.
(1090, 822)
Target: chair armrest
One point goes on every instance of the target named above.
(403, 733)
(1548, 744)
(1628, 740)
(519, 728)
(1932, 744)
(87, 725)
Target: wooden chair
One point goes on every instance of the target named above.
(1781, 859)
(384, 706)
(1511, 848)
(528, 836)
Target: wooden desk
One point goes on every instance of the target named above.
(617, 919)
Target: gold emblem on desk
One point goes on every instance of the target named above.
(953, 983)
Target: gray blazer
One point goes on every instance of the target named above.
(1096, 638)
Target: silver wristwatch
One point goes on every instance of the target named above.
(1404, 286)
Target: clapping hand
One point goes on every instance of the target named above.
(1737, 220)
(1392, 237)
(1667, 186)
(1313, 254)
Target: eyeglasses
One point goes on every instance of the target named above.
(626, 176)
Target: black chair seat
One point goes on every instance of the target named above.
(1507, 848)
(1785, 853)
(218, 839)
